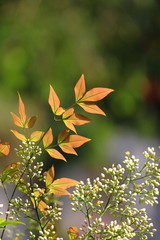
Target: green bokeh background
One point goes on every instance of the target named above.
(115, 43)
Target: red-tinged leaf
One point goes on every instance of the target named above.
(48, 138)
(60, 111)
(69, 125)
(49, 176)
(67, 148)
(19, 135)
(96, 94)
(91, 108)
(76, 141)
(58, 191)
(73, 233)
(78, 119)
(80, 88)
(17, 121)
(63, 135)
(64, 183)
(30, 122)
(55, 154)
(22, 109)
(53, 100)
(4, 149)
(68, 113)
(36, 136)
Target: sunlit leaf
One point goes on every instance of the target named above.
(36, 136)
(53, 100)
(60, 111)
(69, 125)
(65, 147)
(96, 94)
(4, 149)
(68, 113)
(63, 135)
(70, 119)
(31, 122)
(38, 202)
(59, 186)
(19, 135)
(55, 154)
(22, 109)
(64, 183)
(80, 88)
(10, 171)
(48, 138)
(73, 233)
(58, 191)
(3, 222)
(41, 205)
(76, 140)
(16, 120)
(91, 108)
(49, 176)
(78, 119)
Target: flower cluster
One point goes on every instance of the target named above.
(118, 195)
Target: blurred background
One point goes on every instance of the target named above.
(114, 43)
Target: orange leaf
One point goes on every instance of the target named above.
(19, 135)
(36, 136)
(4, 149)
(16, 120)
(73, 233)
(41, 205)
(67, 148)
(48, 138)
(68, 113)
(59, 191)
(76, 140)
(91, 108)
(60, 111)
(22, 110)
(78, 119)
(30, 122)
(96, 94)
(80, 88)
(49, 176)
(69, 125)
(53, 100)
(64, 183)
(63, 135)
(55, 154)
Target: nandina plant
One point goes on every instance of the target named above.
(35, 194)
